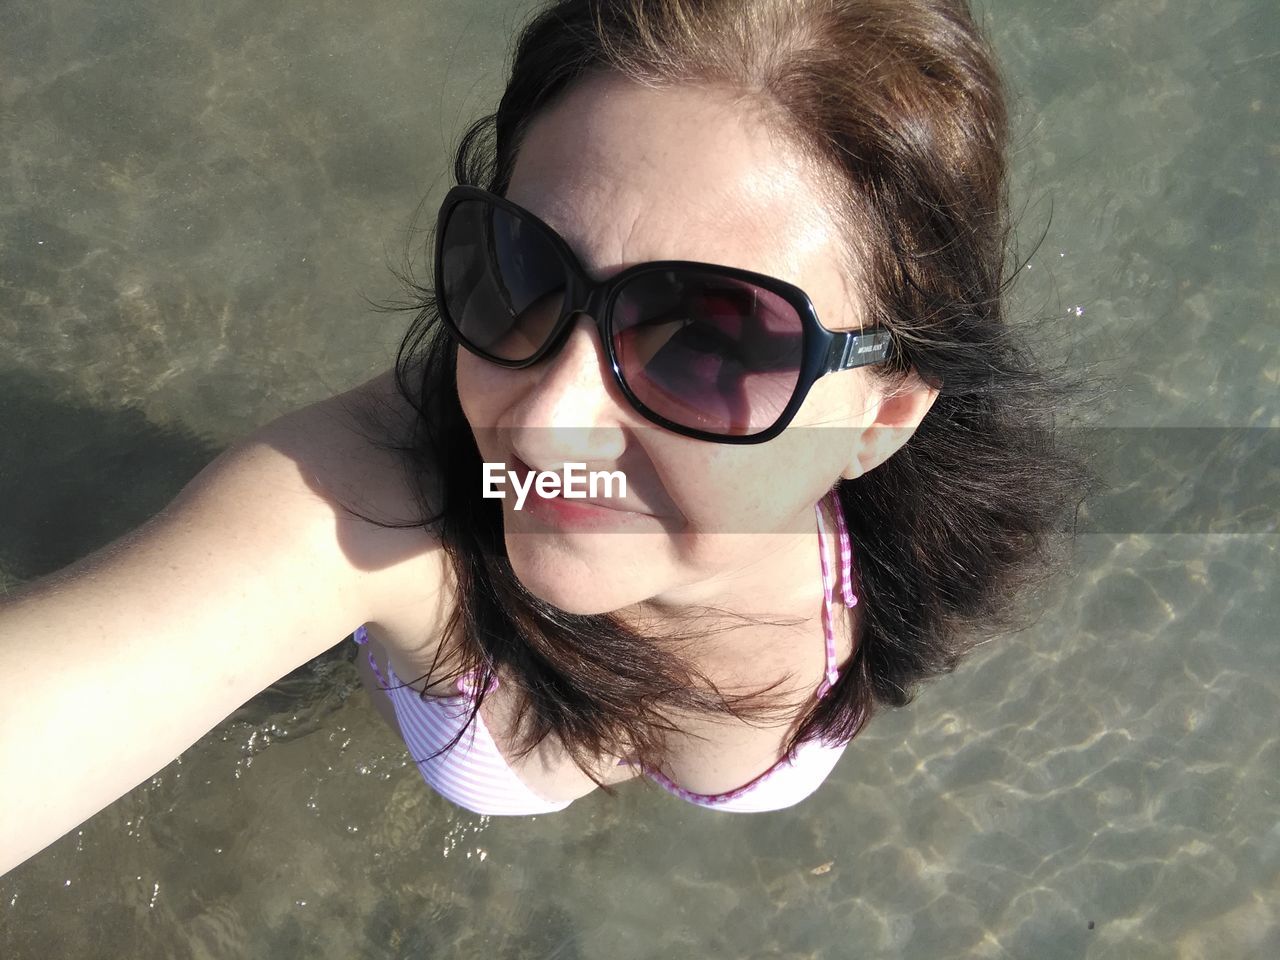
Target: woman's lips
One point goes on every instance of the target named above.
(576, 513)
(579, 512)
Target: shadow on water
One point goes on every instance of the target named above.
(75, 476)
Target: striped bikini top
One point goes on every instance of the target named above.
(474, 775)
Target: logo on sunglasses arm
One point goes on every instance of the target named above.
(550, 484)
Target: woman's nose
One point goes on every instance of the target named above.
(574, 412)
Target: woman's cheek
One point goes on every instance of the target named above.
(479, 390)
(712, 500)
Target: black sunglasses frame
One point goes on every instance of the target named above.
(824, 351)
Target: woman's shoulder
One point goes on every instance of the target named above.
(343, 442)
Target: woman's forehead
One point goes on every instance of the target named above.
(634, 174)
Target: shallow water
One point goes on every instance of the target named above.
(195, 199)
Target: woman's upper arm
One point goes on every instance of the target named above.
(120, 662)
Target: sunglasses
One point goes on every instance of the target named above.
(710, 352)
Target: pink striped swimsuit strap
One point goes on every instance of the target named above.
(828, 587)
(468, 684)
(846, 552)
(361, 636)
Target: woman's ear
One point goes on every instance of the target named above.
(897, 415)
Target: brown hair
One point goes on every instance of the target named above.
(899, 101)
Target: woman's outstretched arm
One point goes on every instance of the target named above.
(120, 662)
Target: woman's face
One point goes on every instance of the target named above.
(627, 174)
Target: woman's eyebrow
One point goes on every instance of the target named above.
(594, 270)
(600, 273)
(549, 217)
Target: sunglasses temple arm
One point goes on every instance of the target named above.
(857, 349)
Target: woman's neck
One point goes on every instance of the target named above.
(778, 588)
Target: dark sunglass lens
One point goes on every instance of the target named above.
(706, 351)
(502, 284)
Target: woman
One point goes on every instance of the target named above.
(746, 254)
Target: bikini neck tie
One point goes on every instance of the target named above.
(828, 587)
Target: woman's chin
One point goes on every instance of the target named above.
(570, 585)
(570, 600)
